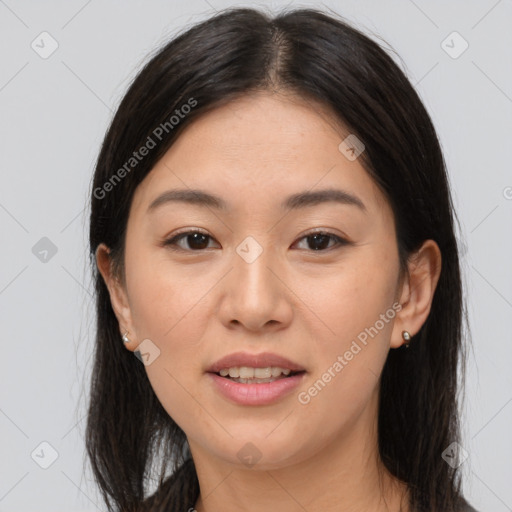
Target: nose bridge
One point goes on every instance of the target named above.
(255, 296)
(255, 280)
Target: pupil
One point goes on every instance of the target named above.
(316, 238)
(196, 237)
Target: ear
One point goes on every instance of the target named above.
(118, 296)
(417, 291)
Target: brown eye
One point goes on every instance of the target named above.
(320, 241)
(196, 241)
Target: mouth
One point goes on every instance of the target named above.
(255, 379)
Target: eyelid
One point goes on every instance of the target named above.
(189, 230)
(323, 231)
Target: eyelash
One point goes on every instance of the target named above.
(171, 243)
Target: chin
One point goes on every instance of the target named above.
(260, 453)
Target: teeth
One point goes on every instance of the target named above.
(253, 381)
(245, 372)
(262, 373)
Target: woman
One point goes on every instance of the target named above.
(272, 235)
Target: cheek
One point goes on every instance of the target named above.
(351, 297)
(167, 299)
(170, 308)
(355, 306)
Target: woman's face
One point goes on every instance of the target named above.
(253, 281)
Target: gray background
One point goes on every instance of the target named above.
(54, 113)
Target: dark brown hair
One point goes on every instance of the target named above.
(320, 58)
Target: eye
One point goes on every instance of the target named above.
(197, 241)
(319, 240)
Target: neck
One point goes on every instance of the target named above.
(345, 475)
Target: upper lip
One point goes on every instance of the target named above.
(262, 360)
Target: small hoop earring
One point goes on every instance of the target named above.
(125, 337)
(407, 338)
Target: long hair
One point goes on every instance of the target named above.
(323, 59)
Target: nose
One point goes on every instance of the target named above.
(255, 295)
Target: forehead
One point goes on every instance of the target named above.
(271, 145)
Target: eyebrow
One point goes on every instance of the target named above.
(294, 202)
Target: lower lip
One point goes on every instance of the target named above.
(256, 394)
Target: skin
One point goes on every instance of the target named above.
(304, 304)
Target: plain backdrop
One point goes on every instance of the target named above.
(54, 112)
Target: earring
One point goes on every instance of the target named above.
(125, 337)
(407, 338)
